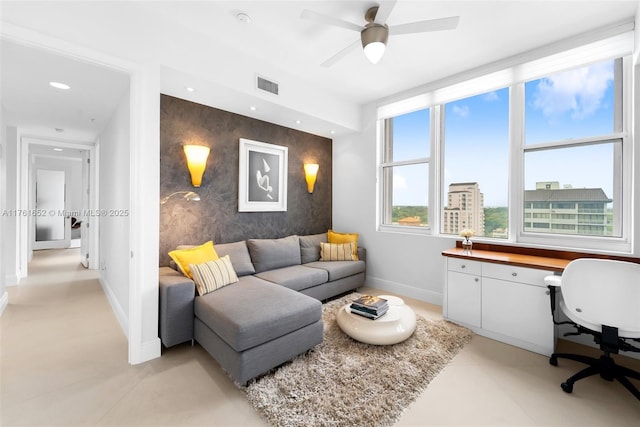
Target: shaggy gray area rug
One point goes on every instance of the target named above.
(342, 382)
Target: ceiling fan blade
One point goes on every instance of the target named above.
(384, 10)
(329, 20)
(338, 56)
(424, 26)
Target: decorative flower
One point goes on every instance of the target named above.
(466, 233)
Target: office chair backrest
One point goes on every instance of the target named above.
(603, 292)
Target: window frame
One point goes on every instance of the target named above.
(513, 76)
(385, 192)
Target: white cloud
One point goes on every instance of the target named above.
(461, 111)
(491, 96)
(579, 92)
(399, 182)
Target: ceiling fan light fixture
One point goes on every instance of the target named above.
(374, 41)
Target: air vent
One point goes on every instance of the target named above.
(267, 85)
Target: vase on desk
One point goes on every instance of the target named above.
(467, 244)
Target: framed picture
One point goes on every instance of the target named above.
(262, 177)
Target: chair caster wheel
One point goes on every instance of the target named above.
(553, 361)
(567, 387)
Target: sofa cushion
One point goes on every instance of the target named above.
(339, 269)
(213, 275)
(269, 254)
(239, 255)
(296, 277)
(310, 247)
(193, 255)
(253, 312)
(337, 252)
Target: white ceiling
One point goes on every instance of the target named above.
(202, 44)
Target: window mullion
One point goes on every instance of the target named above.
(516, 161)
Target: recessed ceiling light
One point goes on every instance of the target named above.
(190, 89)
(57, 149)
(333, 132)
(253, 108)
(243, 17)
(59, 85)
(298, 121)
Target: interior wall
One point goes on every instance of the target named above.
(4, 299)
(216, 216)
(409, 264)
(114, 202)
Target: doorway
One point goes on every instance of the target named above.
(59, 188)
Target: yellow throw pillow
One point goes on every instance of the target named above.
(196, 255)
(333, 237)
(213, 275)
(336, 252)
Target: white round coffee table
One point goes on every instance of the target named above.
(395, 326)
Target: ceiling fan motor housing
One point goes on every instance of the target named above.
(374, 33)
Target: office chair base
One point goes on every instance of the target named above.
(605, 366)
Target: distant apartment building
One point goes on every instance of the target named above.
(465, 209)
(551, 209)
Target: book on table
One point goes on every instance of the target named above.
(367, 314)
(370, 302)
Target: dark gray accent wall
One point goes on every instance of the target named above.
(216, 216)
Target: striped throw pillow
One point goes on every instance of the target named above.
(337, 252)
(213, 275)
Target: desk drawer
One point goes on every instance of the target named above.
(462, 265)
(510, 273)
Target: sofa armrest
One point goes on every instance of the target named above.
(362, 253)
(177, 294)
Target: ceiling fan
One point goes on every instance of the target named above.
(375, 33)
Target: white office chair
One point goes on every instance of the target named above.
(601, 297)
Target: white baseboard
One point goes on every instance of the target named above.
(4, 301)
(121, 315)
(402, 289)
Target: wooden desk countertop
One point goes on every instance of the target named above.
(521, 260)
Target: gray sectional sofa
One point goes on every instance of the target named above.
(270, 316)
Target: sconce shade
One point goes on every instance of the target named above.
(311, 173)
(196, 162)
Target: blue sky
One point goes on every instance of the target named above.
(573, 104)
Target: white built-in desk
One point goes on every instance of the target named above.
(502, 296)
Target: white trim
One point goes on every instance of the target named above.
(119, 312)
(4, 302)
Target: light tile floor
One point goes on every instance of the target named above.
(63, 361)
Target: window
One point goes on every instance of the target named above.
(405, 170)
(476, 164)
(539, 152)
(572, 150)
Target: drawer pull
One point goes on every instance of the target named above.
(476, 279)
(548, 292)
(514, 274)
(463, 266)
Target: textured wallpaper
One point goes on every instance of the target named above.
(216, 216)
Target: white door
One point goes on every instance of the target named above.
(52, 223)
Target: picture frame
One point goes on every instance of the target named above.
(262, 177)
